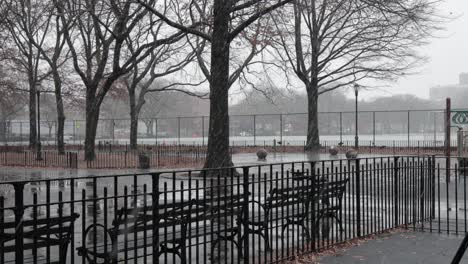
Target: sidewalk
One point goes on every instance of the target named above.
(406, 247)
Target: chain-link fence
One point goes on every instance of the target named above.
(373, 126)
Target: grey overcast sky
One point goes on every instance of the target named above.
(448, 56)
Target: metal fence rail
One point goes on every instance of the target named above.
(166, 156)
(46, 159)
(256, 214)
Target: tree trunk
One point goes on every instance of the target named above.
(149, 127)
(60, 115)
(133, 131)
(3, 130)
(313, 140)
(32, 116)
(134, 113)
(92, 118)
(218, 155)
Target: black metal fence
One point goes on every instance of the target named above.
(450, 215)
(158, 157)
(257, 214)
(45, 159)
(115, 156)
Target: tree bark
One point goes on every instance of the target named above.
(218, 155)
(92, 118)
(60, 114)
(3, 130)
(134, 113)
(149, 127)
(313, 138)
(32, 115)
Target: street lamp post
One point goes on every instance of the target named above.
(356, 137)
(38, 144)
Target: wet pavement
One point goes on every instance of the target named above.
(406, 247)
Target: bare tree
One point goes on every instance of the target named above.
(154, 103)
(217, 23)
(164, 60)
(25, 21)
(53, 52)
(49, 112)
(12, 100)
(330, 44)
(98, 42)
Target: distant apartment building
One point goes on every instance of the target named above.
(454, 91)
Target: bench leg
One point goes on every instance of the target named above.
(63, 253)
(301, 224)
(325, 228)
(338, 220)
(178, 250)
(183, 253)
(267, 240)
(230, 238)
(265, 235)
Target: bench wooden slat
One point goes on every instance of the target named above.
(43, 221)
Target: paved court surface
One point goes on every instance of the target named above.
(406, 247)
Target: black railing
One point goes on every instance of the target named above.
(184, 156)
(256, 214)
(46, 159)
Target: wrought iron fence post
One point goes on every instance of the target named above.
(433, 182)
(19, 212)
(312, 204)
(155, 205)
(435, 129)
(395, 190)
(422, 189)
(245, 216)
(358, 197)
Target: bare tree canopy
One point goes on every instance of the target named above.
(25, 23)
(219, 23)
(101, 39)
(332, 44)
(164, 61)
(12, 101)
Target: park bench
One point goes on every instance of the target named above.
(39, 233)
(293, 204)
(178, 222)
(330, 194)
